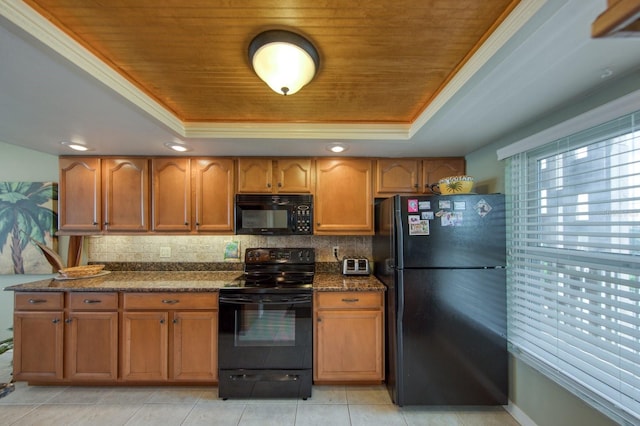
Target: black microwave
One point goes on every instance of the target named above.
(258, 214)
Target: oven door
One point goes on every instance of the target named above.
(265, 331)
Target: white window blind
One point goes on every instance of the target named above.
(574, 263)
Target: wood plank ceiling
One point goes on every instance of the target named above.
(381, 61)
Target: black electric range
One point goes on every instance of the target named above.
(265, 339)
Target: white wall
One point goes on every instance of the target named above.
(19, 164)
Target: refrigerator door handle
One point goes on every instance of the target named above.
(398, 233)
(399, 335)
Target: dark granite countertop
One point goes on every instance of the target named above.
(186, 281)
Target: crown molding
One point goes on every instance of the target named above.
(298, 131)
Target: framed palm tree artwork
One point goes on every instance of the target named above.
(28, 213)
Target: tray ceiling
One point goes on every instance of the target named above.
(381, 61)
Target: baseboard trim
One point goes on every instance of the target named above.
(519, 415)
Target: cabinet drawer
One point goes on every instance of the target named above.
(40, 301)
(351, 299)
(90, 301)
(166, 301)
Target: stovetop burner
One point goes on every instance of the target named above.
(277, 268)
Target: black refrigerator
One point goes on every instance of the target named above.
(443, 259)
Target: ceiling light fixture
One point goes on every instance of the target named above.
(337, 148)
(177, 146)
(284, 60)
(76, 146)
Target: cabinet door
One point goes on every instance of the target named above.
(38, 345)
(80, 200)
(344, 198)
(195, 346)
(213, 201)
(171, 194)
(434, 169)
(126, 194)
(397, 176)
(294, 176)
(349, 345)
(91, 347)
(255, 175)
(144, 346)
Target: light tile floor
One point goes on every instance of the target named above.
(329, 405)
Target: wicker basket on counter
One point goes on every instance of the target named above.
(81, 271)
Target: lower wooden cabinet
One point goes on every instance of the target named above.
(172, 337)
(145, 337)
(54, 342)
(38, 346)
(176, 344)
(80, 337)
(348, 339)
(91, 337)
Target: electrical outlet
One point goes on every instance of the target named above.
(165, 251)
(335, 251)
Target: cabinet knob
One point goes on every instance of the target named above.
(175, 321)
(162, 321)
(106, 224)
(415, 185)
(186, 224)
(268, 185)
(55, 320)
(170, 301)
(68, 321)
(279, 184)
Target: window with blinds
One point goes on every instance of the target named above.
(574, 263)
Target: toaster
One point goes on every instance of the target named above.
(355, 266)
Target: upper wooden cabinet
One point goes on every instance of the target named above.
(171, 194)
(413, 176)
(196, 195)
(344, 198)
(268, 175)
(104, 194)
(213, 183)
(125, 183)
(294, 175)
(80, 197)
(434, 169)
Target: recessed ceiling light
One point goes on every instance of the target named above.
(177, 146)
(76, 146)
(337, 148)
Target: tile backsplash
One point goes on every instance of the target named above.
(203, 248)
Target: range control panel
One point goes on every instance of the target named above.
(279, 255)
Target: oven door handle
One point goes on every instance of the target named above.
(241, 300)
(236, 300)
